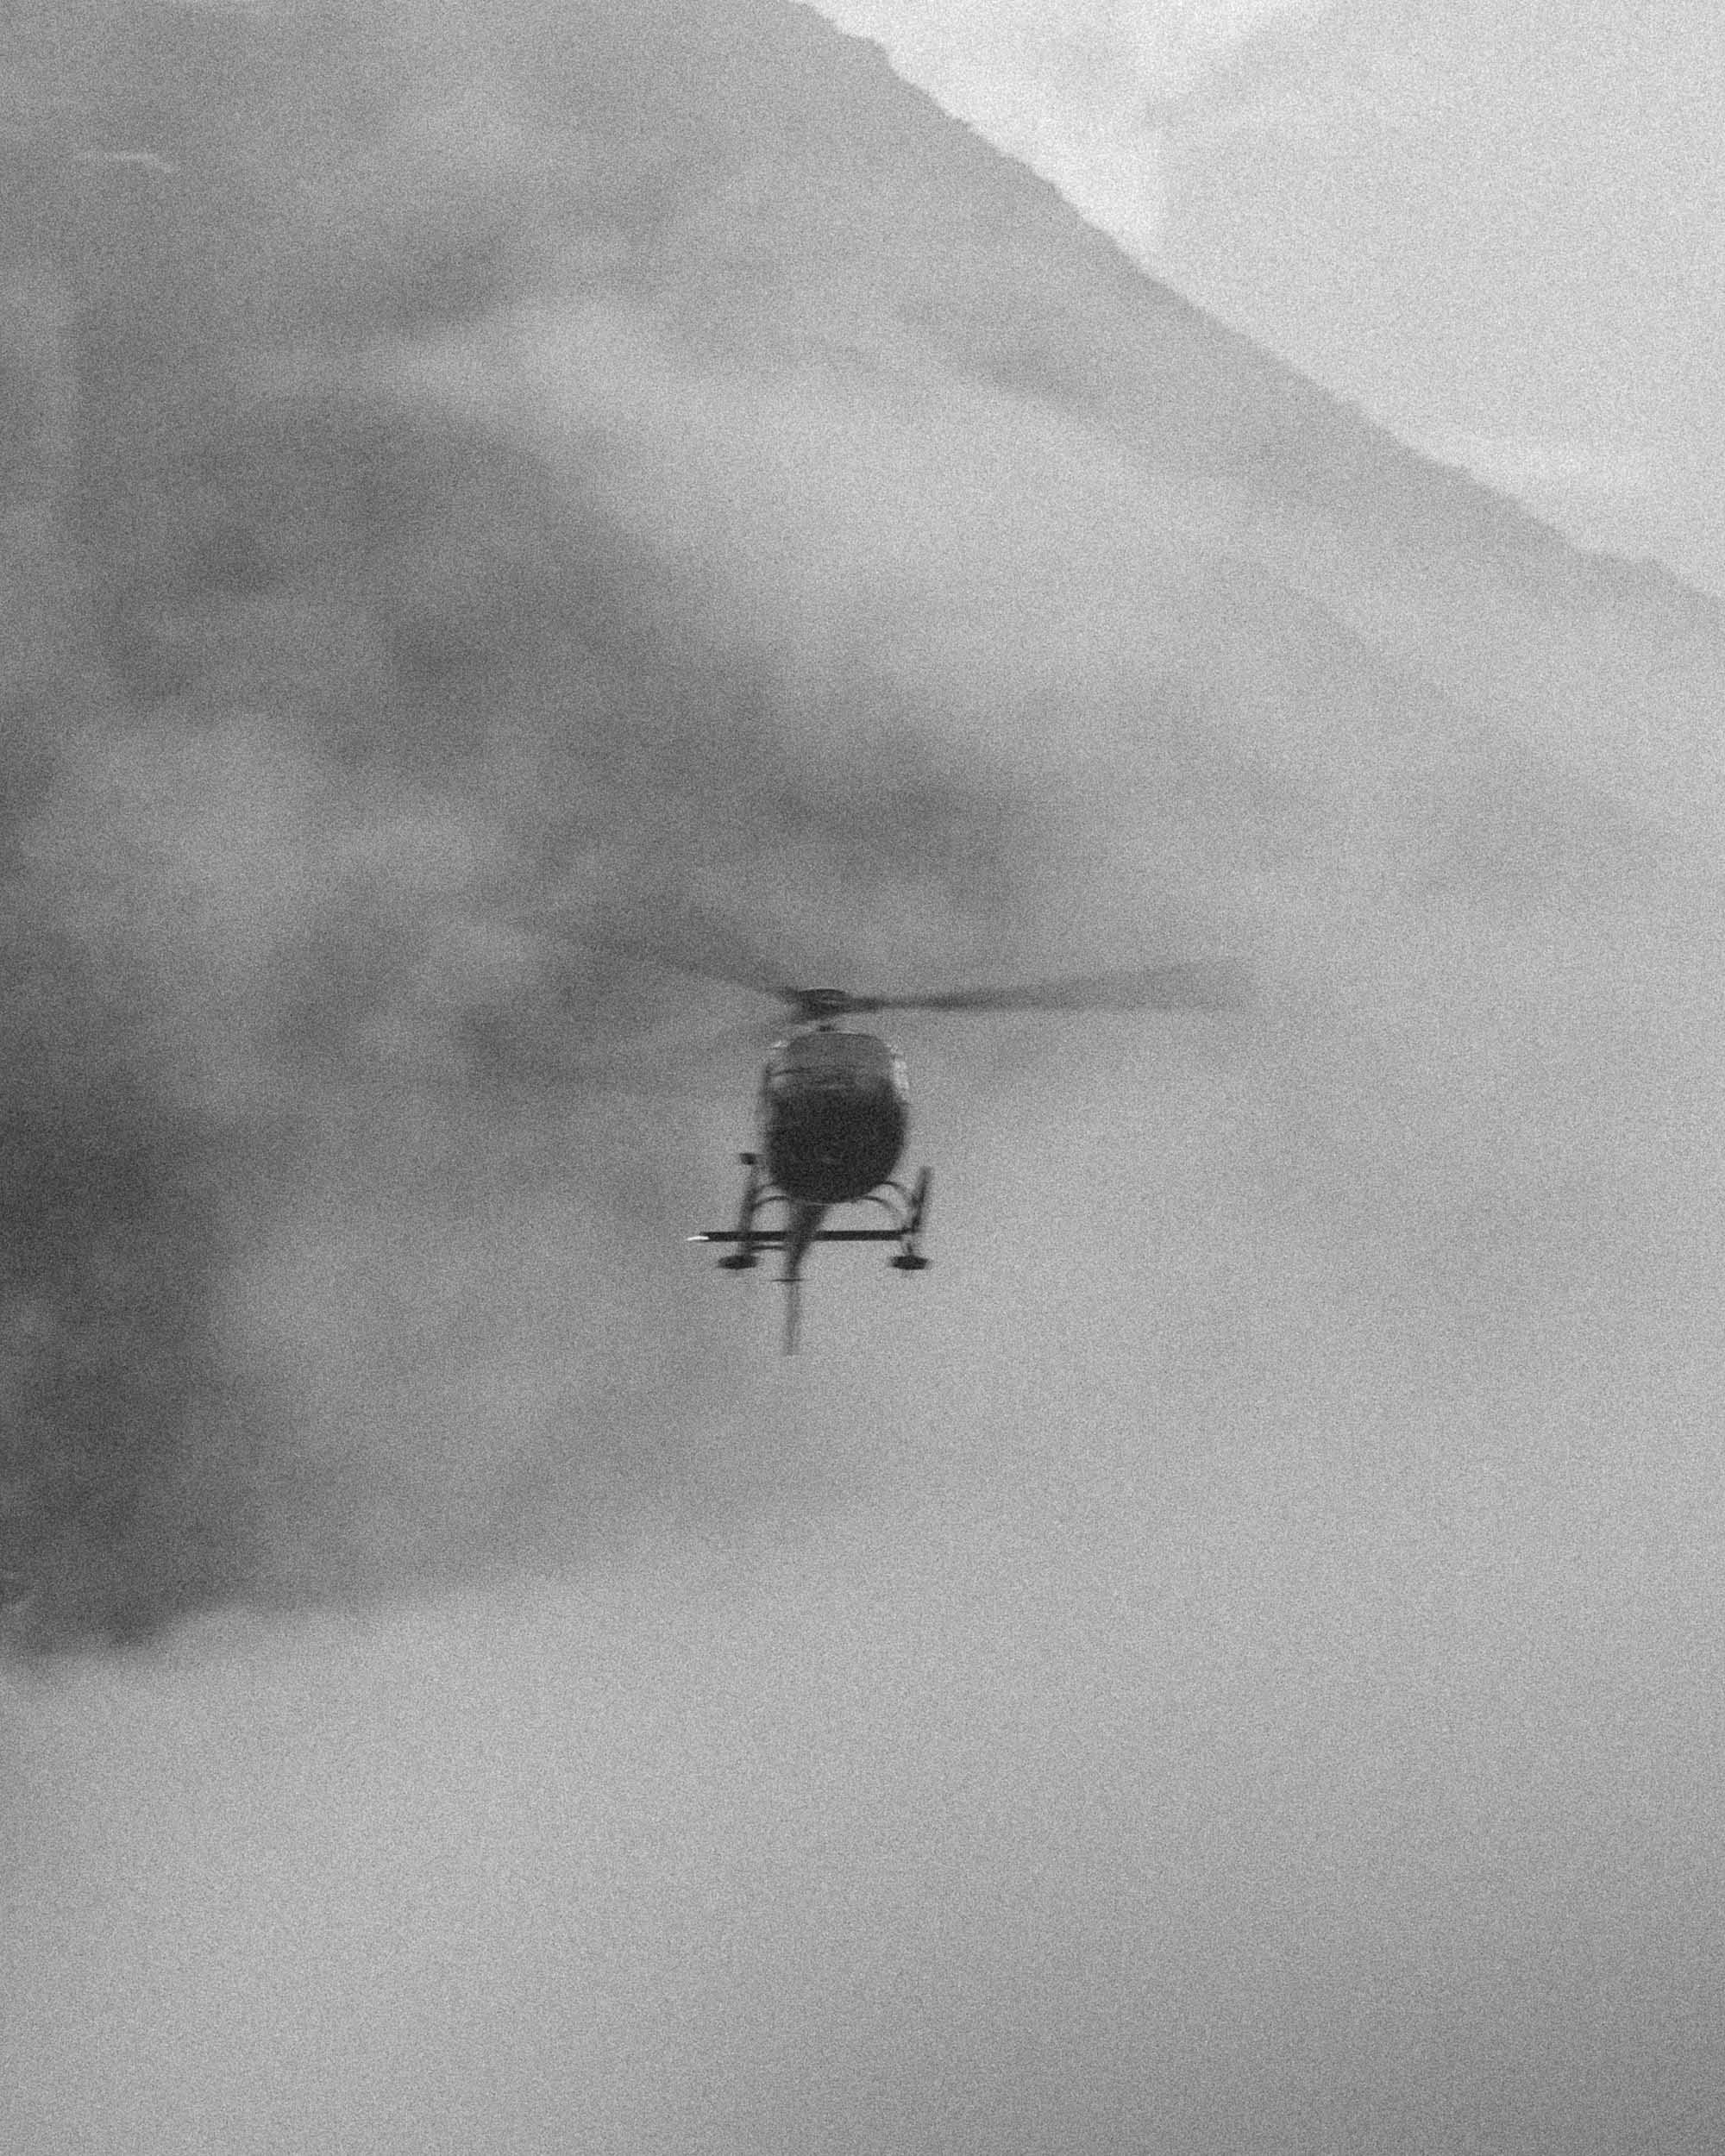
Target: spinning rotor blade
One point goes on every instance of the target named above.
(704, 945)
(1194, 985)
(691, 939)
(667, 1064)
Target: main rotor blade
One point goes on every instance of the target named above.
(692, 941)
(1192, 985)
(668, 1064)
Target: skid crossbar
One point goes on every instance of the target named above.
(773, 1239)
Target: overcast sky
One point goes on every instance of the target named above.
(1499, 225)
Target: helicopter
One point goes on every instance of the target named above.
(832, 1111)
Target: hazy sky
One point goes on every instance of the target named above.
(1498, 226)
(1228, 1663)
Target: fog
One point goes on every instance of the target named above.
(1224, 1660)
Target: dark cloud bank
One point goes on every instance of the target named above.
(484, 492)
(473, 480)
(340, 686)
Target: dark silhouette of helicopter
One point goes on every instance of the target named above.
(833, 1108)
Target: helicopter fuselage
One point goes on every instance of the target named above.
(834, 1114)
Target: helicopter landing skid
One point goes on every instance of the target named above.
(907, 1208)
(747, 1255)
(910, 1259)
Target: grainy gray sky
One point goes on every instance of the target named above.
(1229, 1660)
(1499, 227)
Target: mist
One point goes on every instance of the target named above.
(1226, 1659)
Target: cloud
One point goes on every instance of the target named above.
(355, 684)
(454, 533)
(1232, 1662)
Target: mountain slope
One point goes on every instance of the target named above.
(469, 480)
